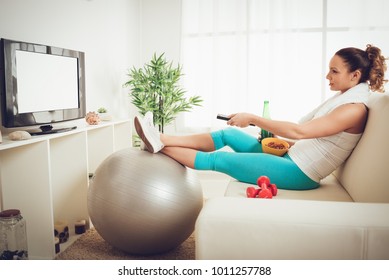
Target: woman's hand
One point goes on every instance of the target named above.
(241, 119)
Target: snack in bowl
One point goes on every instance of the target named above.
(275, 146)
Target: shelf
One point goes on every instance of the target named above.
(46, 177)
(81, 127)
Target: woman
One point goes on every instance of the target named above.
(323, 139)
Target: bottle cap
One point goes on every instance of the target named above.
(9, 213)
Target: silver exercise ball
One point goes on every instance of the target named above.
(144, 203)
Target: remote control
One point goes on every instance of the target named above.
(223, 117)
(226, 118)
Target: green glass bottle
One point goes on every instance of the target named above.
(266, 115)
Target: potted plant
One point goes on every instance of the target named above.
(103, 114)
(155, 88)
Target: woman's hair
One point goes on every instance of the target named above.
(370, 62)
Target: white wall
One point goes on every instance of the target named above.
(160, 29)
(107, 31)
(115, 36)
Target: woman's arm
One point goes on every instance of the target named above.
(348, 117)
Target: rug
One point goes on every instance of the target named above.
(91, 246)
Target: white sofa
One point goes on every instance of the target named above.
(347, 217)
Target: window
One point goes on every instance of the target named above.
(238, 53)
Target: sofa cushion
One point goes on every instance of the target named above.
(238, 228)
(330, 190)
(365, 174)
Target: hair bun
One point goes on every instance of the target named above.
(377, 68)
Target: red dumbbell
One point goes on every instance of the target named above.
(266, 189)
(264, 184)
(252, 192)
(273, 189)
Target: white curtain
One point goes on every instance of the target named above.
(238, 53)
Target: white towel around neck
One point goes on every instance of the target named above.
(357, 94)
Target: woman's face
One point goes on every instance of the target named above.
(339, 76)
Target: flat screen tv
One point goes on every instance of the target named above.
(40, 86)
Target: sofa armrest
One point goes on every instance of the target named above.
(241, 228)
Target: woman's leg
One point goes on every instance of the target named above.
(236, 139)
(184, 148)
(185, 156)
(247, 167)
(200, 142)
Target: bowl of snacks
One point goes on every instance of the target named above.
(275, 146)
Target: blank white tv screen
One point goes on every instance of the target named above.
(46, 82)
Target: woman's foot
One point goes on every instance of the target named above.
(147, 132)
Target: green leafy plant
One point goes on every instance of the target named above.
(101, 110)
(155, 88)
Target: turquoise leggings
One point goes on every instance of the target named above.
(248, 162)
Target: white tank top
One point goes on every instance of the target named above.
(319, 157)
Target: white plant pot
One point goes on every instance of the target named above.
(105, 116)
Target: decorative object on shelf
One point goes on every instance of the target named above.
(144, 203)
(155, 88)
(13, 236)
(19, 135)
(92, 118)
(80, 227)
(103, 114)
(56, 246)
(61, 230)
(102, 110)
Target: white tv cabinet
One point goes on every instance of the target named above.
(47, 177)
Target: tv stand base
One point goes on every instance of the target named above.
(48, 129)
